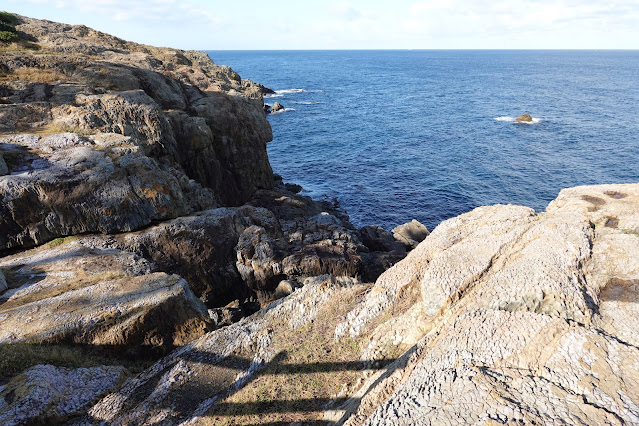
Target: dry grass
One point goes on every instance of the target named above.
(51, 128)
(18, 46)
(36, 75)
(310, 370)
(17, 357)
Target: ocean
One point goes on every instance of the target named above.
(428, 135)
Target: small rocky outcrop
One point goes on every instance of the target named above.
(410, 234)
(524, 118)
(277, 107)
(45, 394)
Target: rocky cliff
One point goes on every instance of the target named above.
(144, 240)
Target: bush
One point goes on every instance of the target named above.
(8, 36)
(8, 18)
(7, 27)
(7, 30)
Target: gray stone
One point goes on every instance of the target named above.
(45, 394)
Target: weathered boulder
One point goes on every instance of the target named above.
(45, 394)
(68, 293)
(524, 118)
(410, 234)
(384, 251)
(68, 184)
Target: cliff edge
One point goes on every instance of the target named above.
(145, 240)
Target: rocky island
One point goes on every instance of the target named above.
(154, 269)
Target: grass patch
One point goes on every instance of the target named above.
(32, 74)
(61, 241)
(309, 371)
(17, 357)
(634, 232)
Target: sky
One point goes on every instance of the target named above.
(356, 24)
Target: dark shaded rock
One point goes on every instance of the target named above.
(377, 238)
(201, 248)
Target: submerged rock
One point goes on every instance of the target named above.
(45, 394)
(524, 118)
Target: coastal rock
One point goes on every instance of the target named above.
(201, 248)
(189, 384)
(45, 394)
(524, 118)
(410, 234)
(68, 293)
(3, 166)
(528, 318)
(68, 184)
(179, 107)
(384, 251)
(277, 107)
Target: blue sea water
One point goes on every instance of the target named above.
(397, 135)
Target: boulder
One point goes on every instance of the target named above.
(68, 293)
(3, 166)
(377, 238)
(524, 118)
(410, 234)
(277, 107)
(45, 394)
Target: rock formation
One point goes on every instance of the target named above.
(139, 217)
(277, 107)
(524, 118)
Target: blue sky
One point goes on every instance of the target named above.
(357, 24)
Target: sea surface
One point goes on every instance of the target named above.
(428, 135)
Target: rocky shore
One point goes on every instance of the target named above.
(154, 270)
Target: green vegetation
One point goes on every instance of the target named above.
(8, 31)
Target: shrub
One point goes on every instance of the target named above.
(8, 36)
(7, 30)
(8, 18)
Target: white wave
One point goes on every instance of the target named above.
(281, 111)
(535, 120)
(284, 91)
(274, 95)
(304, 102)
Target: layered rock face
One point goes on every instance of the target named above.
(182, 133)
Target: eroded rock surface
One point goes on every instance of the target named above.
(534, 325)
(46, 394)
